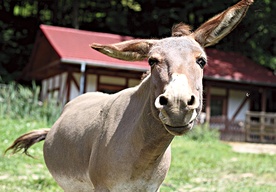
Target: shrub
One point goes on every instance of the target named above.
(18, 101)
(203, 133)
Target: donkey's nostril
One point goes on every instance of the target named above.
(163, 100)
(191, 101)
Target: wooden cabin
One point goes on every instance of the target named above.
(66, 66)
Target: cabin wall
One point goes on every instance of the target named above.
(133, 82)
(235, 99)
(74, 90)
(218, 91)
(91, 85)
(65, 86)
(112, 84)
(54, 87)
(227, 102)
(112, 80)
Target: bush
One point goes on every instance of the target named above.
(203, 133)
(17, 101)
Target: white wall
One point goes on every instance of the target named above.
(58, 81)
(74, 92)
(63, 90)
(91, 83)
(235, 100)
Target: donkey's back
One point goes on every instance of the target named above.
(75, 144)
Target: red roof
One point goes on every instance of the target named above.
(236, 67)
(72, 45)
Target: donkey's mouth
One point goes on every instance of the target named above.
(179, 130)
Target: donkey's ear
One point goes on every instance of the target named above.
(222, 24)
(132, 50)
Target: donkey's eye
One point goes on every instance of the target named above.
(201, 62)
(153, 61)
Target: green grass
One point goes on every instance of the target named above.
(20, 173)
(199, 163)
(210, 165)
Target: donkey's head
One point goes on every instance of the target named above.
(177, 66)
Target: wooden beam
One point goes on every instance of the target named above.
(232, 85)
(103, 71)
(98, 82)
(68, 85)
(225, 108)
(75, 81)
(85, 82)
(82, 78)
(60, 86)
(263, 104)
(239, 108)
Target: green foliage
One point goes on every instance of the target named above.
(203, 133)
(19, 21)
(255, 36)
(19, 102)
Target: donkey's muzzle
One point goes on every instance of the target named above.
(178, 105)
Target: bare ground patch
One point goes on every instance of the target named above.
(256, 148)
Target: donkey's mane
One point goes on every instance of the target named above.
(181, 29)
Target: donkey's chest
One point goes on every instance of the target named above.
(147, 178)
(136, 185)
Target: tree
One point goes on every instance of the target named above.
(255, 37)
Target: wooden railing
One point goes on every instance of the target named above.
(260, 127)
(229, 130)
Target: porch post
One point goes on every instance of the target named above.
(68, 86)
(226, 123)
(82, 78)
(263, 107)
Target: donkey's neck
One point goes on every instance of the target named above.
(153, 138)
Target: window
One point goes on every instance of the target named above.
(218, 105)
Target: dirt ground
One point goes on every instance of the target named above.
(253, 148)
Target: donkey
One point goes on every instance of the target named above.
(121, 142)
